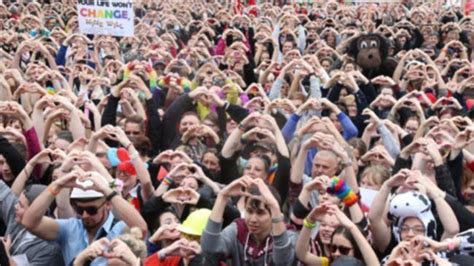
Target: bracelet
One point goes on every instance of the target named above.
(111, 195)
(241, 127)
(346, 164)
(116, 184)
(279, 219)
(128, 146)
(168, 181)
(451, 245)
(53, 191)
(324, 261)
(308, 224)
(162, 255)
(134, 155)
(296, 137)
(342, 191)
(299, 210)
(26, 171)
(226, 105)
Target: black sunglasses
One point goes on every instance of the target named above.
(343, 250)
(91, 210)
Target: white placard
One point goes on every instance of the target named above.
(367, 196)
(106, 17)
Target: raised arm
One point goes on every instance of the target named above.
(302, 244)
(213, 240)
(283, 247)
(297, 170)
(76, 127)
(380, 227)
(142, 172)
(122, 209)
(370, 258)
(34, 219)
(41, 158)
(445, 212)
(233, 144)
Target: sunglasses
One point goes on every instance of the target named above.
(343, 250)
(91, 210)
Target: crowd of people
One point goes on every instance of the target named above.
(238, 133)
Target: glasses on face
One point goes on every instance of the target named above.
(415, 229)
(343, 250)
(91, 210)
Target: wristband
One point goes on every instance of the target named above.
(53, 191)
(342, 191)
(128, 146)
(346, 164)
(134, 155)
(116, 185)
(162, 255)
(26, 170)
(324, 261)
(280, 219)
(168, 181)
(226, 105)
(451, 245)
(308, 224)
(299, 210)
(241, 127)
(296, 137)
(111, 195)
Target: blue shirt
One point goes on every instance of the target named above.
(73, 238)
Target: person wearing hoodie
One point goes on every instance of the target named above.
(22, 247)
(261, 238)
(186, 249)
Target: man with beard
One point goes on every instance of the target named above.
(93, 207)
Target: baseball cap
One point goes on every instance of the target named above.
(251, 146)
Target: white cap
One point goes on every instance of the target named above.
(78, 193)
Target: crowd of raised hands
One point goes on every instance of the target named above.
(238, 133)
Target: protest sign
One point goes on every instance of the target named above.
(367, 196)
(106, 17)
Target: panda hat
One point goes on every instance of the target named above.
(411, 204)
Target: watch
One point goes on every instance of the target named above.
(276, 220)
(347, 163)
(111, 195)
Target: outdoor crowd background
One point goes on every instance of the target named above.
(228, 133)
